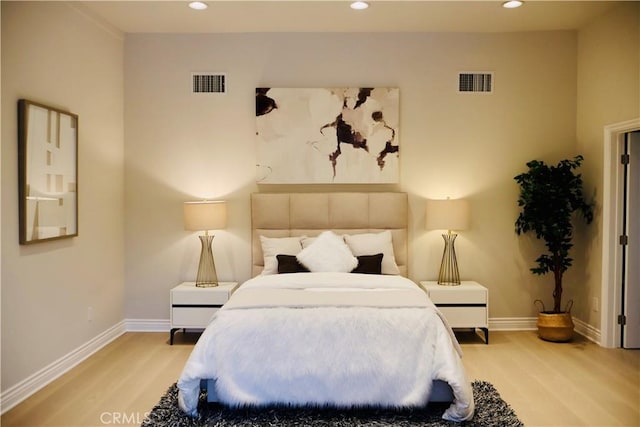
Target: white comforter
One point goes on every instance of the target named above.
(338, 339)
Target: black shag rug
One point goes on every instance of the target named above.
(491, 410)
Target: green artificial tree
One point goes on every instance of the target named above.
(549, 195)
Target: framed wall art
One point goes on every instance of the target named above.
(48, 172)
(327, 135)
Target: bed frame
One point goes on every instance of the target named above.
(298, 214)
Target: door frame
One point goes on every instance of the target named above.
(613, 192)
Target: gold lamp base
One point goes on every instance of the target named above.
(449, 275)
(207, 276)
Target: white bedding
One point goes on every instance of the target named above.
(339, 339)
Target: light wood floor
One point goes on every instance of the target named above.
(574, 384)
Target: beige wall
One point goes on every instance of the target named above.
(608, 93)
(181, 146)
(53, 54)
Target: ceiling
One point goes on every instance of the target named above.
(238, 16)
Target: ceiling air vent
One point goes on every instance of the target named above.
(208, 83)
(475, 82)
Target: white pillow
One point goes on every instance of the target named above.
(375, 243)
(306, 241)
(272, 246)
(329, 253)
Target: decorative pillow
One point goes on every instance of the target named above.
(290, 264)
(369, 264)
(306, 241)
(328, 253)
(272, 246)
(374, 243)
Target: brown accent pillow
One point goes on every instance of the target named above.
(369, 264)
(290, 264)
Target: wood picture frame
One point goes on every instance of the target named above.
(47, 172)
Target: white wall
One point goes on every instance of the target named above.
(181, 146)
(608, 93)
(54, 54)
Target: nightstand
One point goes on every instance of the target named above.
(464, 306)
(192, 306)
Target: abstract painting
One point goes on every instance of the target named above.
(327, 135)
(48, 172)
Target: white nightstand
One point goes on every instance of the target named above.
(464, 306)
(192, 306)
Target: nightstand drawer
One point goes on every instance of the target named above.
(197, 317)
(465, 316)
(200, 296)
(452, 295)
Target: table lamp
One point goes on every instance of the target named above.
(448, 215)
(204, 216)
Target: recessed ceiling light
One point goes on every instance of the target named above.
(512, 4)
(359, 5)
(198, 5)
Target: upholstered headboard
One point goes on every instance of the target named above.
(297, 214)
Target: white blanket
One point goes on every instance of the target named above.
(335, 339)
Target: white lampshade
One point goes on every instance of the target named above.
(205, 215)
(447, 214)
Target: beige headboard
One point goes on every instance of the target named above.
(297, 214)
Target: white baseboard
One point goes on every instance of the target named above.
(513, 323)
(19, 392)
(586, 330)
(147, 325)
(495, 324)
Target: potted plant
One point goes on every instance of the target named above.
(549, 196)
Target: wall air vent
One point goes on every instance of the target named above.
(474, 82)
(208, 83)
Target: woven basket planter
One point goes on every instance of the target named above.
(556, 327)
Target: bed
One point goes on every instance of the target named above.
(352, 331)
